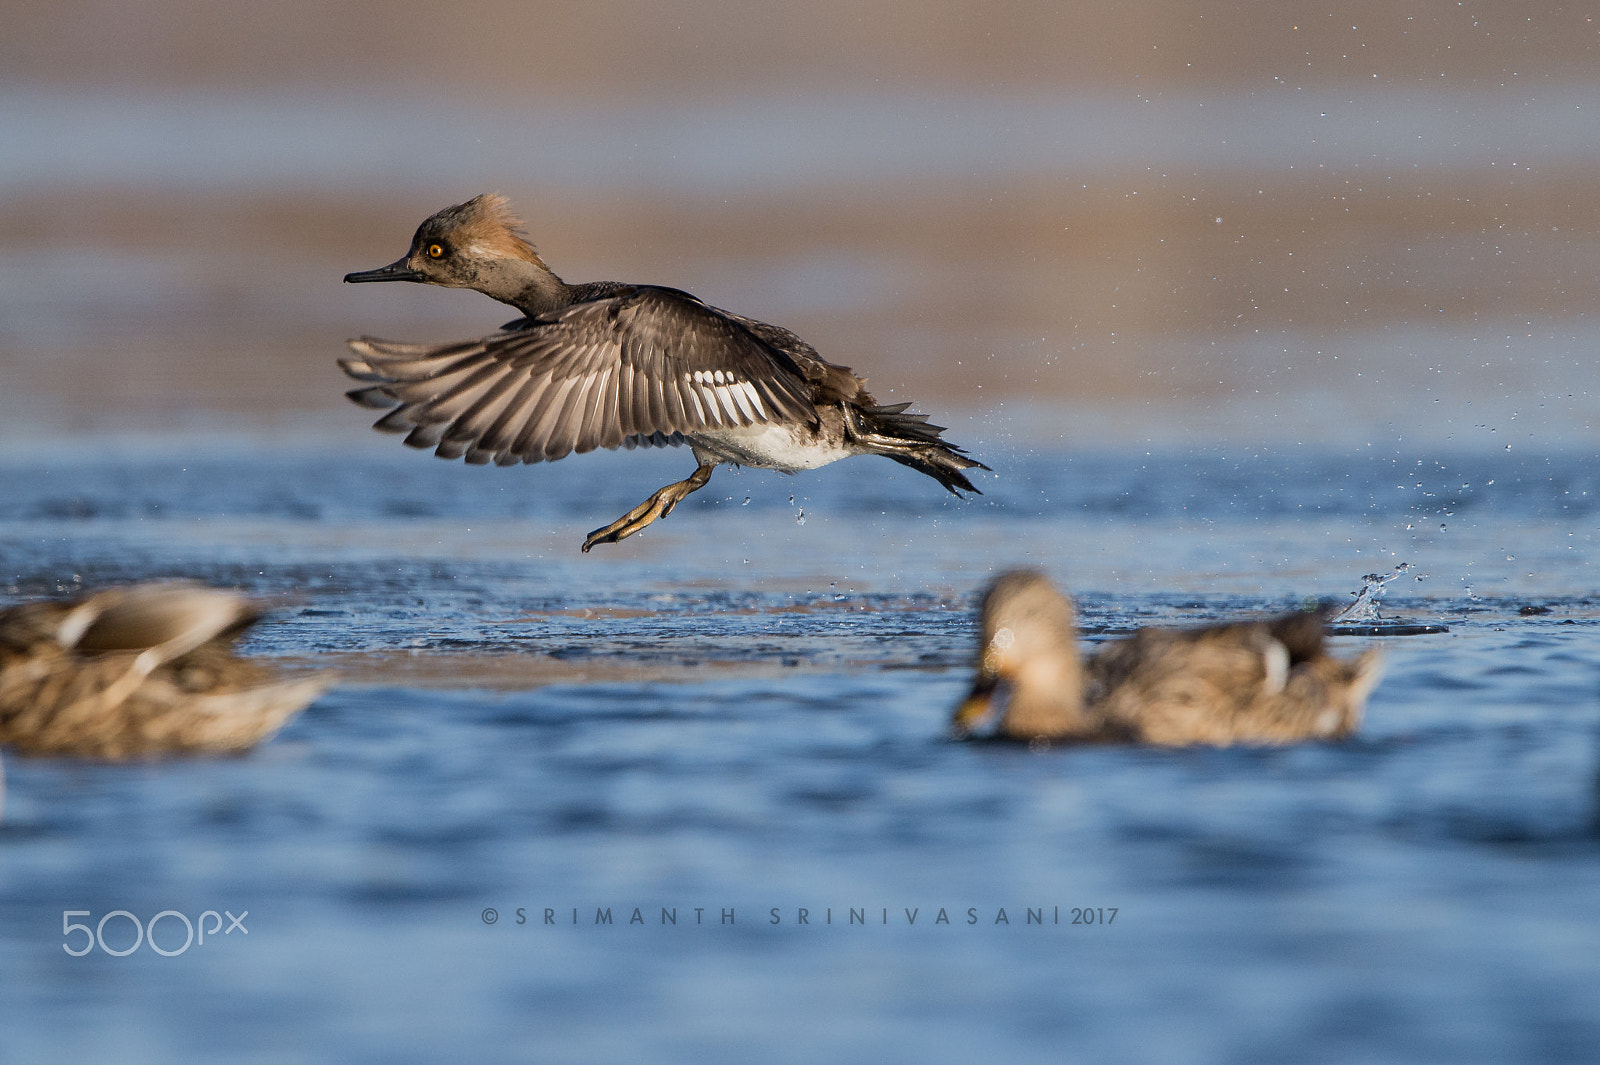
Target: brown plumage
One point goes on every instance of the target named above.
(608, 365)
(143, 670)
(1255, 682)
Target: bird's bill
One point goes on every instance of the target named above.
(975, 708)
(399, 270)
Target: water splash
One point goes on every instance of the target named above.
(1365, 608)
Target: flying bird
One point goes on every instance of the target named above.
(608, 365)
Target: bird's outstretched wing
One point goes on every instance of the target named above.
(640, 366)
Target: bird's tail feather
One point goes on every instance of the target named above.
(919, 445)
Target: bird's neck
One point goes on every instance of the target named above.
(529, 286)
(1049, 700)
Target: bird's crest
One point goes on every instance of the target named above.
(486, 225)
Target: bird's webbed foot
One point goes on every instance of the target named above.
(659, 505)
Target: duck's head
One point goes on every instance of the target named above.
(478, 245)
(1027, 643)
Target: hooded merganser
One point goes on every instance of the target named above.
(610, 365)
(1258, 682)
(147, 669)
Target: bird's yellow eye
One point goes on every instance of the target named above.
(436, 251)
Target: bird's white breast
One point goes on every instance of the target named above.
(771, 447)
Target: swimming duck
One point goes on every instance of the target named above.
(1256, 682)
(611, 365)
(146, 669)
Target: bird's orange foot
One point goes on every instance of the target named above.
(659, 505)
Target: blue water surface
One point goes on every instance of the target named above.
(740, 715)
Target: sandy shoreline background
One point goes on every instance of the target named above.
(691, 47)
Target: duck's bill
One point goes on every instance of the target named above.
(395, 271)
(975, 708)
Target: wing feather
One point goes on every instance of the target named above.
(564, 426)
(500, 436)
(633, 366)
(535, 435)
(624, 388)
(590, 429)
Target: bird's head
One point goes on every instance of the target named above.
(478, 245)
(1027, 639)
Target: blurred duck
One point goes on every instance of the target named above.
(1257, 682)
(142, 670)
(606, 364)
